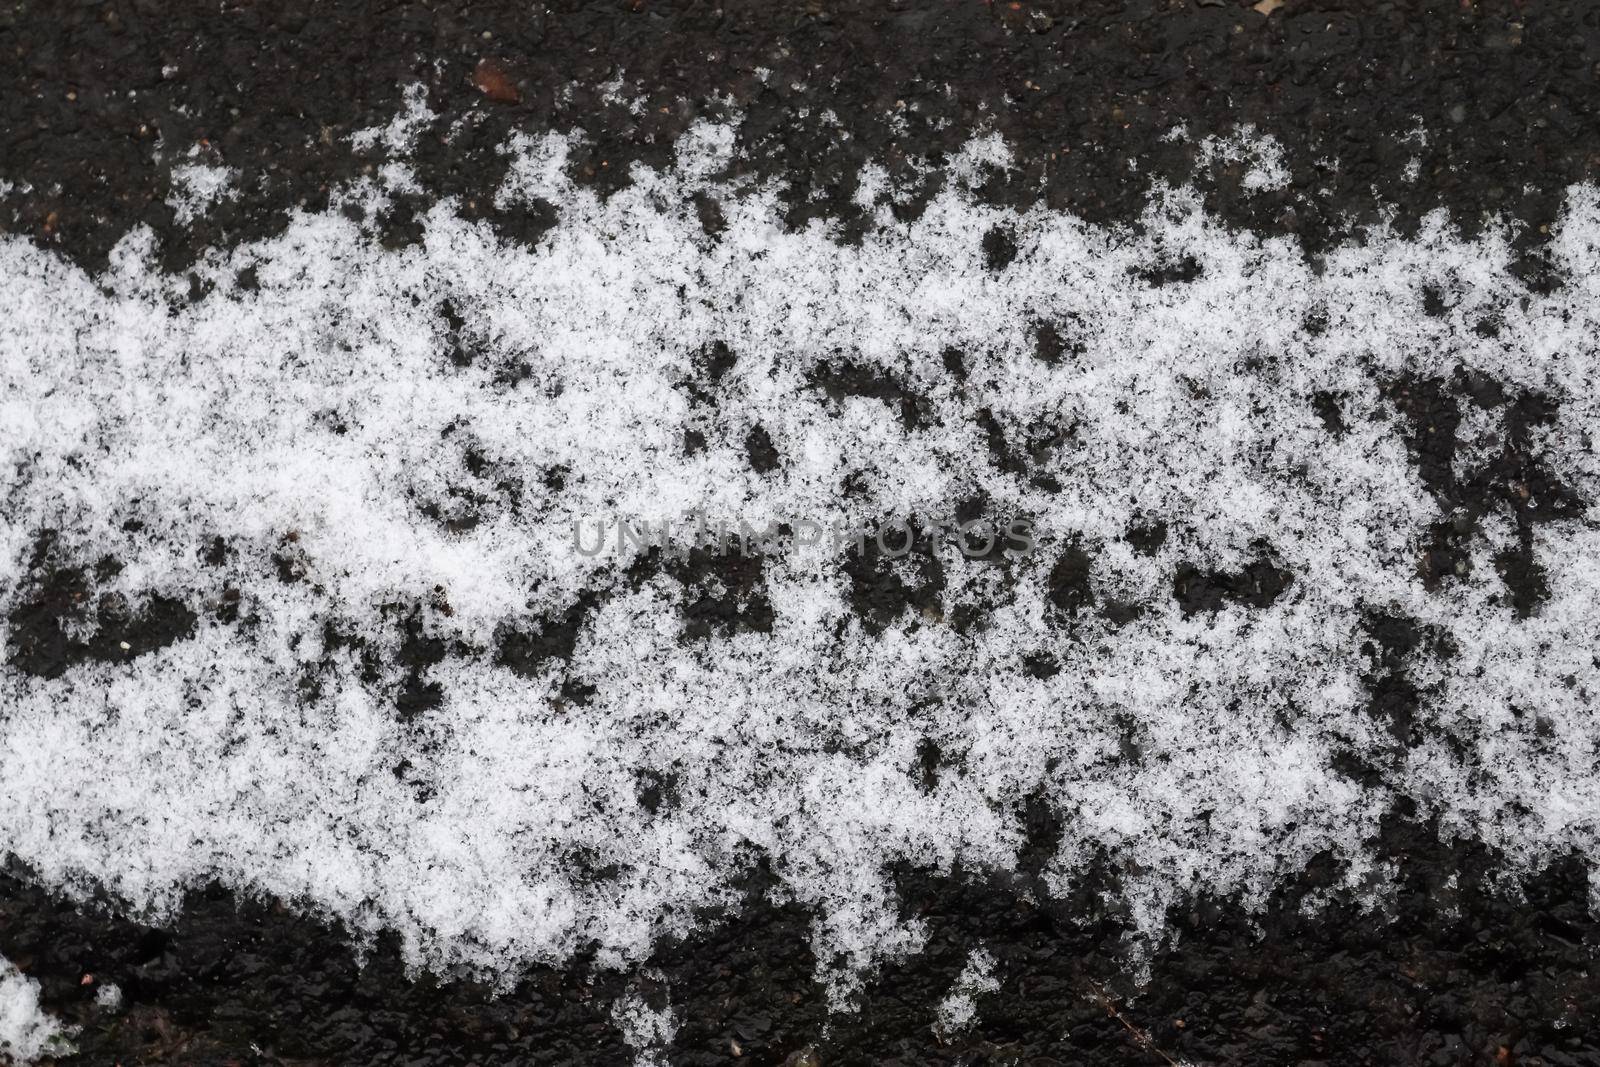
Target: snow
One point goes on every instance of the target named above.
(1267, 170)
(26, 1032)
(196, 186)
(108, 997)
(647, 1030)
(318, 426)
(960, 1007)
(400, 135)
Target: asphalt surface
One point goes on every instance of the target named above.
(1460, 969)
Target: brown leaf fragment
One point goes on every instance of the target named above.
(491, 78)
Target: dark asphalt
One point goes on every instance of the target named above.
(1461, 970)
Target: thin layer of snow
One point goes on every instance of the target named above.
(27, 1032)
(318, 425)
(196, 186)
(108, 997)
(960, 1006)
(1267, 170)
(647, 1030)
(400, 135)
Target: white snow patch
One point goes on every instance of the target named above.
(108, 997)
(611, 92)
(319, 427)
(196, 186)
(27, 1032)
(990, 151)
(400, 135)
(960, 1006)
(647, 1030)
(1262, 152)
(705, 149)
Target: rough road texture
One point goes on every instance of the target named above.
(1503, 92)
(1461, 970)
(1458, 973)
